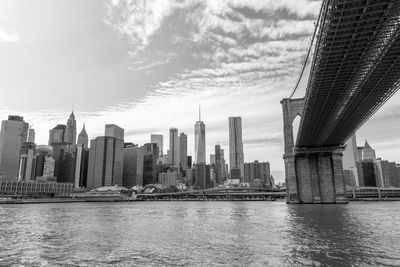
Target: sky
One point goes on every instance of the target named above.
(147, 66)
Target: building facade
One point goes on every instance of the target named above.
(159, 140)
(27, 162)
(57, 135)
(130, 165)
(83, 138)
(14, 132)
(183, 151)
(236, 156)
(173, 147)
(106, 158)
(70, 130)
(199, 142)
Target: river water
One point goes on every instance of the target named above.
(182, 233)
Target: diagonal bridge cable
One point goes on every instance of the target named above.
(309, 49)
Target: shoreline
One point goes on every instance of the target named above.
(60, 200)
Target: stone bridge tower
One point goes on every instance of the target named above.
(312, 175)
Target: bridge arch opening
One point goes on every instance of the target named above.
(296, 126)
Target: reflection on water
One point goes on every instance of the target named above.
(200, 233)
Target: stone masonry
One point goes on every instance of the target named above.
(312, 175)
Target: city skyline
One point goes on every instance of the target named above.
(160, 86)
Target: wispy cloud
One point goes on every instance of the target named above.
(8, 37)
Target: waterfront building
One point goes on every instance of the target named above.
(224, 167)
(349, 159)
(212, 159)
(235, 174)
(200, 141)
(65, 166)
(31, 135)
(164, 160)
(42, 188)
(41, 152)
(170, 178)
(158, 139)
(257, 171)
(83, 138)
(147, 167)
(202, 176)
(57, 135)
(130, 165)
(367, 152)
(27, 162)
(183, 151)
(218, 164)
(49, 166)
(382, 173)
(173, 147)
(70, 130)
(236, 156)
(394, 175)
(106, 158)
(189, 177)
(114, 131)
(189, 161)
(366, 172)
(81, 166)
(14, 132)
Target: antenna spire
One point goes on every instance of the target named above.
(199, 113)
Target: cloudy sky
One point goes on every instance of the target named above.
(147, 65)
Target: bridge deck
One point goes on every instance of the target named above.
(356, 68)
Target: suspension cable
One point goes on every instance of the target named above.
(309, 49)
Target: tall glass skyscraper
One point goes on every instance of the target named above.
(158, 139)
(183, 151)
(173, 146)
(236, 157)
(14, 132)
(200, 141)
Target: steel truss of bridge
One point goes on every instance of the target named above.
(355, 70)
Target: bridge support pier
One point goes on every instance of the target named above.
(315, 178)
(312, 175)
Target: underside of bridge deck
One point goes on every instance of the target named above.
(355, 70)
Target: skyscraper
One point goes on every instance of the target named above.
(27, 163)
(106, 158)
(70, 130)
(57, 135)
(367, 152)
(218, 164)
(236, 157)
(173, 146)
(147, 172)
(349, 161)
(200, 141)
(81, 166)
(31, 135)
(14, 132)
(83, 138)
(158, 139)
(130, 165)
(183, 151)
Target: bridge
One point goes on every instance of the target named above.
(354, 71)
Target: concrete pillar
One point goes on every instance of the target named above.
(315, 180)
(303, 173)
(338, 178)
(291, 180)
(325, 174)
